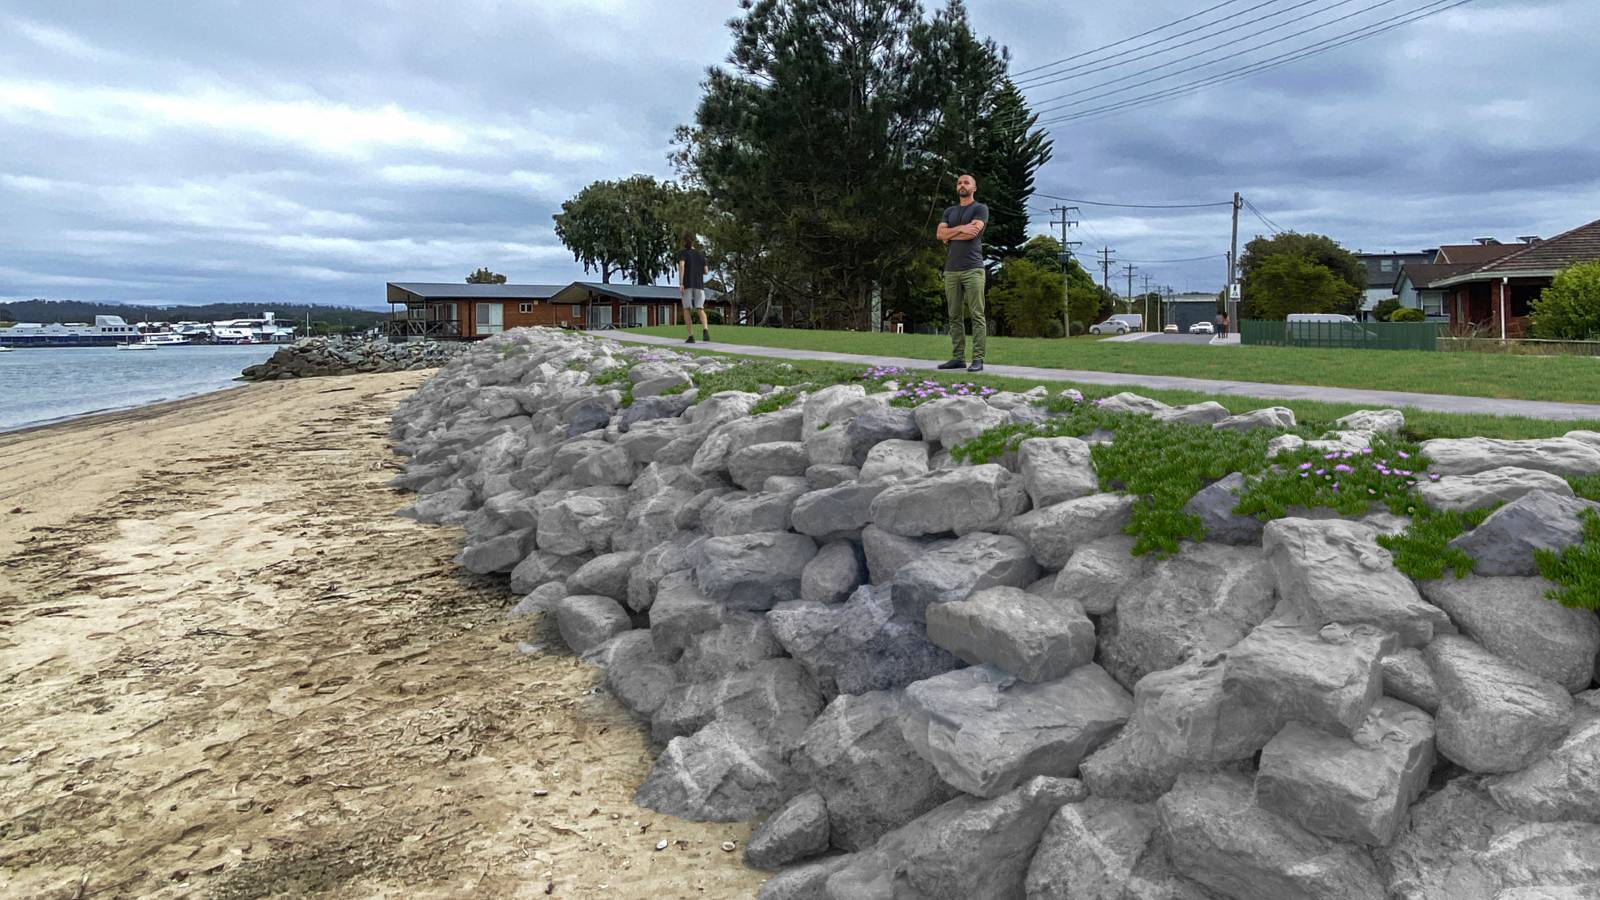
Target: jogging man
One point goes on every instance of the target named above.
(960, 228)
(692, 287)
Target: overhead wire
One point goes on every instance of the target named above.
(1188, 18)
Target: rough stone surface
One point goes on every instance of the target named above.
(870, 778)
(1356, 788)
(740, 642)
(731, 437)
(886, 552)
(797, 831)
(963, 500)
(874, 426)
(604, 575)
(1407, 678)
(985, 732)
(1034, 638)
(1214, 504)
(1562, 786)
(1054, 533)
(584, 522)
(498, 554)
(587, 621)
(1218, 836)
(754, 571)
(1103, 850)
(1559, 456)
(833, 574)
(1099, 570)
(1132, 403)
(1208, 413)
(1500, 485)
(1505, 543)
(727, 772)
(859, 646)
(840, 511)
(1056, 469)
(954, 420)
(1279, 418)
(807, 881)
(1493, 716)
(1332, 570)
(737, 512)
(1513, 619)
(751, 466)
(895, 460)
(1194, 604)
(680, 612)
(1373, 421)
(965, 849)
(635, 674)
(775, 696)
(1327, 678)
(960, 568)
(827, 476)
(540, 568)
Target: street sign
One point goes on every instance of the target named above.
(1233, 291)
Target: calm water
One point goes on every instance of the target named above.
(47, 384)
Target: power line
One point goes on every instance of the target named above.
(1300, 53)
(1133, 205)
(1151, 262)
(1127, 39)
(1262, 216)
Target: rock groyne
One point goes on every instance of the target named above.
(312, 357)
(930, 675)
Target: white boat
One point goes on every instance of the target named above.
(139, 346)
(4, 349)
(165, 339)
(265, 330)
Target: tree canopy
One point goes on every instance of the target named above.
(1569, 309)
(484, 276)
(1027, 297)
(625, 227)
(1279, 276)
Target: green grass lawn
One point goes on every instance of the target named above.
(1499, 375)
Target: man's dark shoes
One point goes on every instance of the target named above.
(690, 340)
(705, 335)
(953, 364)
(977, 366)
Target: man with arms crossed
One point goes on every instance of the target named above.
(959, 228)
(692, 287)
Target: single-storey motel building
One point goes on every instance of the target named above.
(471, 311)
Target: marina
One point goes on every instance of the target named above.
(115, 331)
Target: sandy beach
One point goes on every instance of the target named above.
(227, 669)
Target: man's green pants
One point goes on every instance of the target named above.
(963, 298)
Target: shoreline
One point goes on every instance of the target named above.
(111, 411)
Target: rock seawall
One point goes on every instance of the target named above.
(311, 357)
(938, 680)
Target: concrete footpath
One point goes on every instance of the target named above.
(1535, 409)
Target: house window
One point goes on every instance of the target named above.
(1385, 265)
(491, 318)
(525, 307)
(577, 311)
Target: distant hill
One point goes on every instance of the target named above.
(47, 311)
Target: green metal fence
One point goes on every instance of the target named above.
(1352, 335)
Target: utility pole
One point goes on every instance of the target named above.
(1233, 266)
(1066, 221)
(1105, 268)
(1146, 295)
(1128, 303)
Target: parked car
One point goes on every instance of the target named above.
(1202, 328)
(1170, 328)
(1122, 323)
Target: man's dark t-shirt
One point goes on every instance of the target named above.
(694, 268)
(964, 255)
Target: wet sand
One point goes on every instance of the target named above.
(228, 670)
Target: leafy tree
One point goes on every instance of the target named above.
(1317, 248)
(1385, 309)
(1285, 283)
(484, 276)
(1408, 314)
(593, 226)
(1569, 309)
(622, 226)
(1083, 295)
(1027, 298)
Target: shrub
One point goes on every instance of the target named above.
(1079, 328)
(1053, 330)
(1408, 315)
(1569, 309)
(1385, 309)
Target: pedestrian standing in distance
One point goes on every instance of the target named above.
(961, 229)
(692, 287)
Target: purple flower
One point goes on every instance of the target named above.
(1366, 450)
(1402, 454)
(1336, 485)
(1342, 468)
(1304, 466)
(1333, 455)
(1305, 474)
(1433, 477)
(1321, 471)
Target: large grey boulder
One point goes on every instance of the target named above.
(1505, 543)
(740, 642)
(1499, 485)
(726, 772)
(1098, 571)
(827, 476)
(1054, 533)
(1355, 788)
(741, 513)
(798, 830)
(1278, 418)
(1407, 678)
(965, 849)
(584, 522)
(1209, 412)
(1218, 836)
(820, 407)
(1513, 619)
(650, 409)
(675, 554)
(540, 568)
(833, 574)
(956, 420)
(870, 779)
(806, 881)
(1197, 603)
(886, 552)
(1332, 570)
(635, 674)
(960, 568)
(729, 438)
(859, 646)
(751, 466)
(836, 512)
(586, 621)
(1567, 457)
(1493, 716)
(1034, 638)
(1056, 469)
(1105, 850)
(1326, 677)
(985, 732)
(500, 553)
(680, 612)
(1460, 844)
(1214, 505)
(606, 464)
(1561, 786)
(605, 575)
(963, 500)
(1128, 402)
(874, 426)
(895, 460)
(753, 571)
(776, 696)
(1373, 421)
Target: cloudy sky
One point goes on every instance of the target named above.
(198, 151)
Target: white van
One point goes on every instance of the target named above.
(1319, 317)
